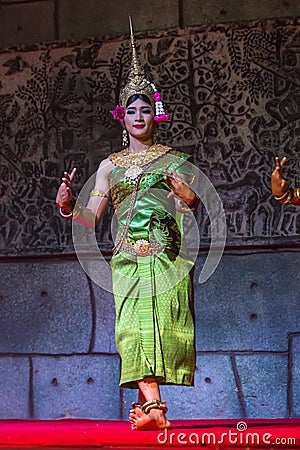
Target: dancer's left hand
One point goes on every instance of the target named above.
(179, 188)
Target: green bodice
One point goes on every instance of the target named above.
(154, 215)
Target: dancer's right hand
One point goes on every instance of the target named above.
(64, 193)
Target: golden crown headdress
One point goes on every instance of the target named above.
(138, 84)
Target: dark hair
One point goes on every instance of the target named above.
(135, 97)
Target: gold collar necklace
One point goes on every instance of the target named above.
(135, 163)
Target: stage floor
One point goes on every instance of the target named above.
(188, 434)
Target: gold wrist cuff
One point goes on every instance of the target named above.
(185, 208)
(286, 197)
(283, 195)
(296, 193)
(77, 211)
(64, 214)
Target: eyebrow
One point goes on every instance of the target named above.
(142, 107)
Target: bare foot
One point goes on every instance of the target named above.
(155, 420)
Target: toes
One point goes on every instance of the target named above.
(133, 424)
(132, 417)
(132, 414)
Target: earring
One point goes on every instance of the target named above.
(124, 138)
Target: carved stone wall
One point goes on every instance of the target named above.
(233, 92)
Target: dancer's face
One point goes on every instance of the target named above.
(138, 119)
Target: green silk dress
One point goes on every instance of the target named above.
(153, 294)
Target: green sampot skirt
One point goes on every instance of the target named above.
(154, 318)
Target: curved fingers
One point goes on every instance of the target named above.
(67, 178)
(73, 173)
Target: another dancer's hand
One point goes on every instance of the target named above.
(279, 184)
(64, 194)
(179, 188)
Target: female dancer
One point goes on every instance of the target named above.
(151, 271)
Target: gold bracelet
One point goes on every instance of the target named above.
(296, 193)
(184, 208)
(288, 198)
(195, 204)
(64, 214)
(283, 195)
(97, 193)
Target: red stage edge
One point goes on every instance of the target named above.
(188, 434)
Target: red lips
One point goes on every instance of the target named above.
(139, 127)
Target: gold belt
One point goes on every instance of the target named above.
(141, 247)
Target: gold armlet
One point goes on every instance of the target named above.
(97, 193)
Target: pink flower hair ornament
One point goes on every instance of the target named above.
(160, 115)
(161, 118)
(118, 113)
